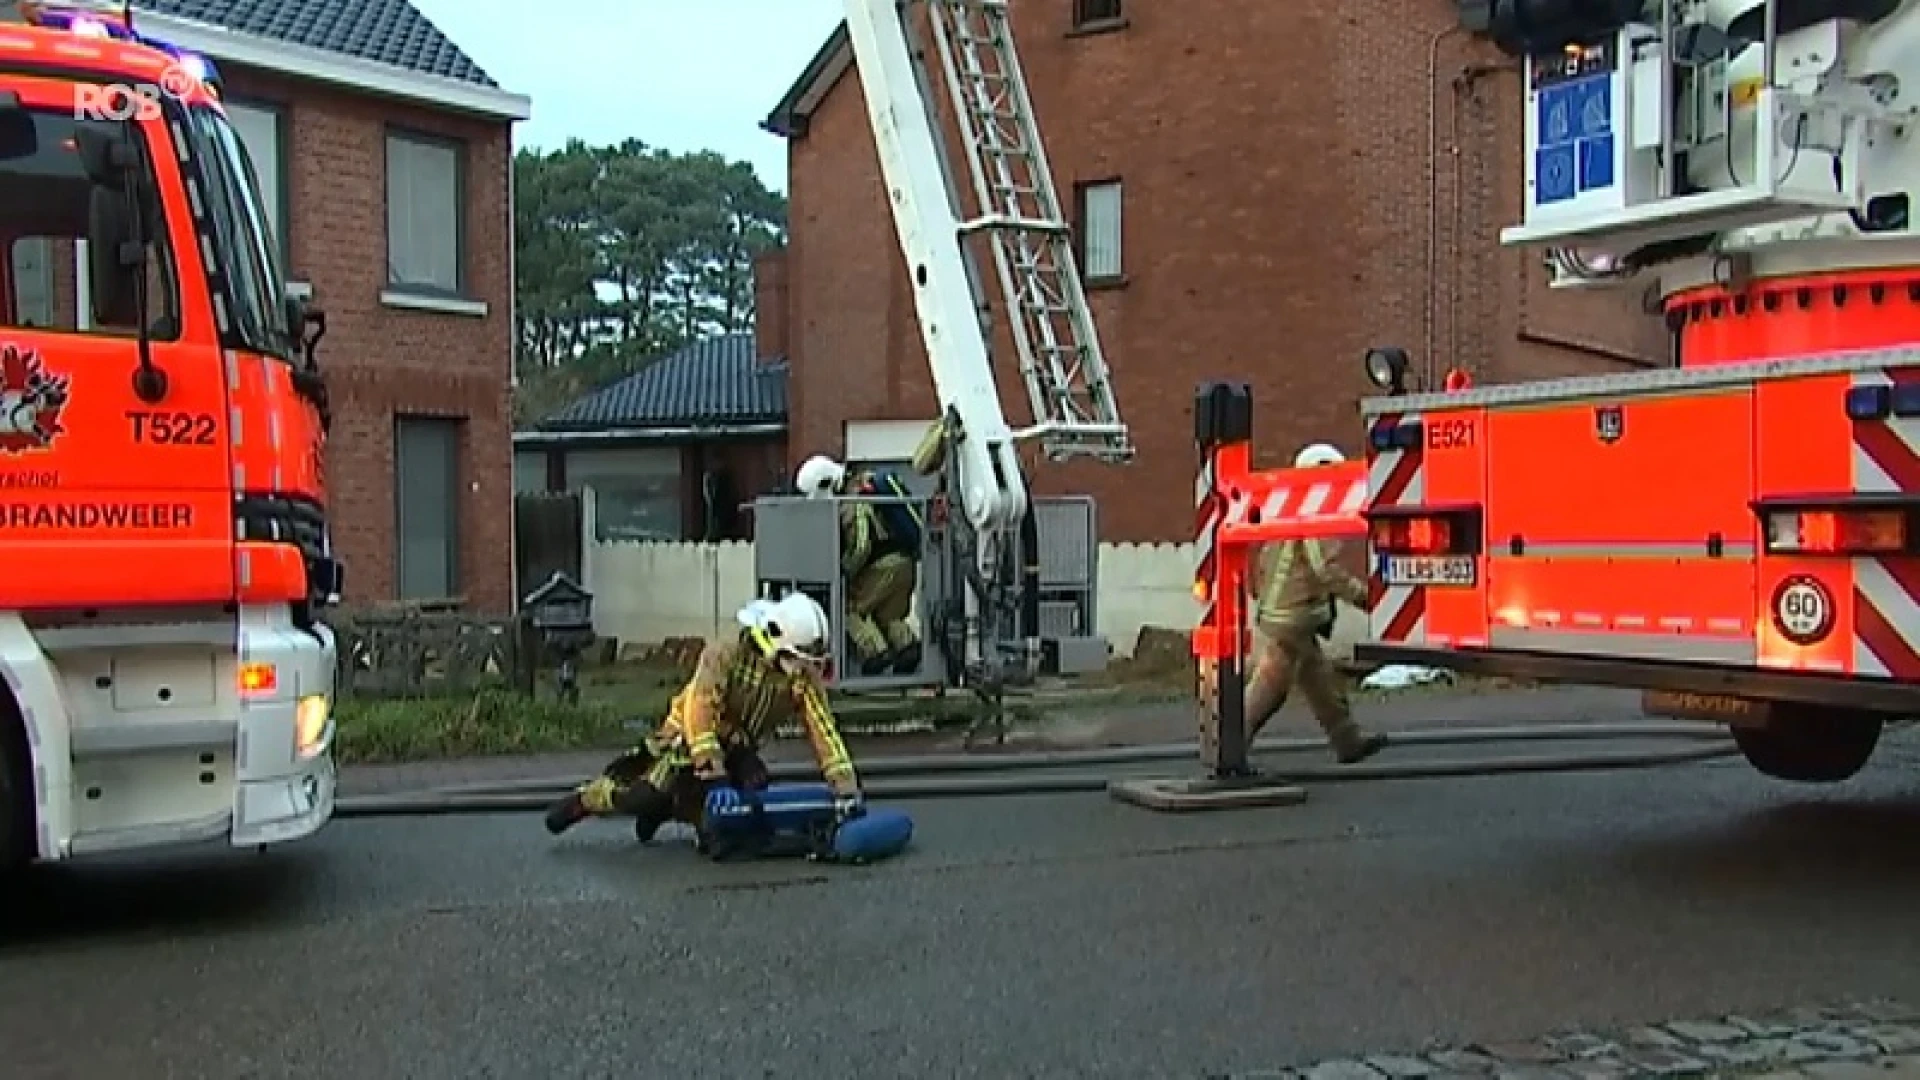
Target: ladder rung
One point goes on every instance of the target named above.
(1009, 223)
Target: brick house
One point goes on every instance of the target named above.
(1259, 191)
(385, 155)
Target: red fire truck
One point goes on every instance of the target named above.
(1741, 528)
(162, 433)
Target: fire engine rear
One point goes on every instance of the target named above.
(163, 542)
(1739, 532)
(1736, 532)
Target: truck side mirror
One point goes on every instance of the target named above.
(106, 156)
(112, 258)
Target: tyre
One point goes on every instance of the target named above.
(1811, 745)
(16, 797)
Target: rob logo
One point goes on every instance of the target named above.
(123, 102)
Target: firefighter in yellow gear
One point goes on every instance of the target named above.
(1298, 585)
(741, 692)
(880, 558)
(930, 456)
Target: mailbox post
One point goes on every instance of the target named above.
(562, 613)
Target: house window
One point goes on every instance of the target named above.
(1098, 230)
(426, 486)
(1094, 12)
(262, 130)
(425, 200)
(637, 492)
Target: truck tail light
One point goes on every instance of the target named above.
(1425, 531)
(1838, 531)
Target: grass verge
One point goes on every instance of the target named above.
(488, 723)
(616, 704)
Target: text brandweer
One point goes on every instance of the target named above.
(112, 515)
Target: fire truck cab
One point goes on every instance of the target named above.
(162, 434)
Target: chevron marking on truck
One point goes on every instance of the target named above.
(1206, 518)
(1396, 478)
(1886, 592)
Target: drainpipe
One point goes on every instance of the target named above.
(1430, 315)
(513, 374)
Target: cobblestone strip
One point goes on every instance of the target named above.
(1876, 1040)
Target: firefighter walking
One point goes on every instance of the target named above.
(879, 554)
(1299, 583)
(741, 692)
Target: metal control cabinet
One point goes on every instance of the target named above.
(797, 547)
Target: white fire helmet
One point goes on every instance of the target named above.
(1313, 457)
(819, 475)
(794, 624)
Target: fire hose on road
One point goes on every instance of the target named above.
(946, 776)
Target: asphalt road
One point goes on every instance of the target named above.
(1040, 936)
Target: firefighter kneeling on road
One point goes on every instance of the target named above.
(1299, 585)
(879, 554)
(741, 692)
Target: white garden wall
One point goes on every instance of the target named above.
(645, 592)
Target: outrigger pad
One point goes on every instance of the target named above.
(1186, 796)
(875, 835)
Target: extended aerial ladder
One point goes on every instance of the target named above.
(1017, 212)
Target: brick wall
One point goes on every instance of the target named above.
(770, 304)
(1280, 216)
(382, 362)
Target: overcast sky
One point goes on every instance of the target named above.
(679, 74)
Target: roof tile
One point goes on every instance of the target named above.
(714, 382)
(385, 31)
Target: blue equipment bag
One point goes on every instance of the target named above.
(900, 519)
(798, 820)
(874, 835)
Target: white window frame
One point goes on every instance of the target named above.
(417, 205)
(1102, 231)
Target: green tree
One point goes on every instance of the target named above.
(625, 253)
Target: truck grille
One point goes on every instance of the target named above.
(282, 519)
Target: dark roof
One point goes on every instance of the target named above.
(389, 32)
(718, 382)
(789, 118)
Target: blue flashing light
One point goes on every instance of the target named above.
(1869, 402)
(1906, 400)
(96, 21)
(196, 65)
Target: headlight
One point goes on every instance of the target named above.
(310, 716)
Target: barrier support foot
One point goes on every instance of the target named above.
(1186, 795)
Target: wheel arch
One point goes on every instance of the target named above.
(19, 758)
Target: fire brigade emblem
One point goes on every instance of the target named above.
(1609, 423)
(31, 401)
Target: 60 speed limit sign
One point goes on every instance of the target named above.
(1803, 610)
